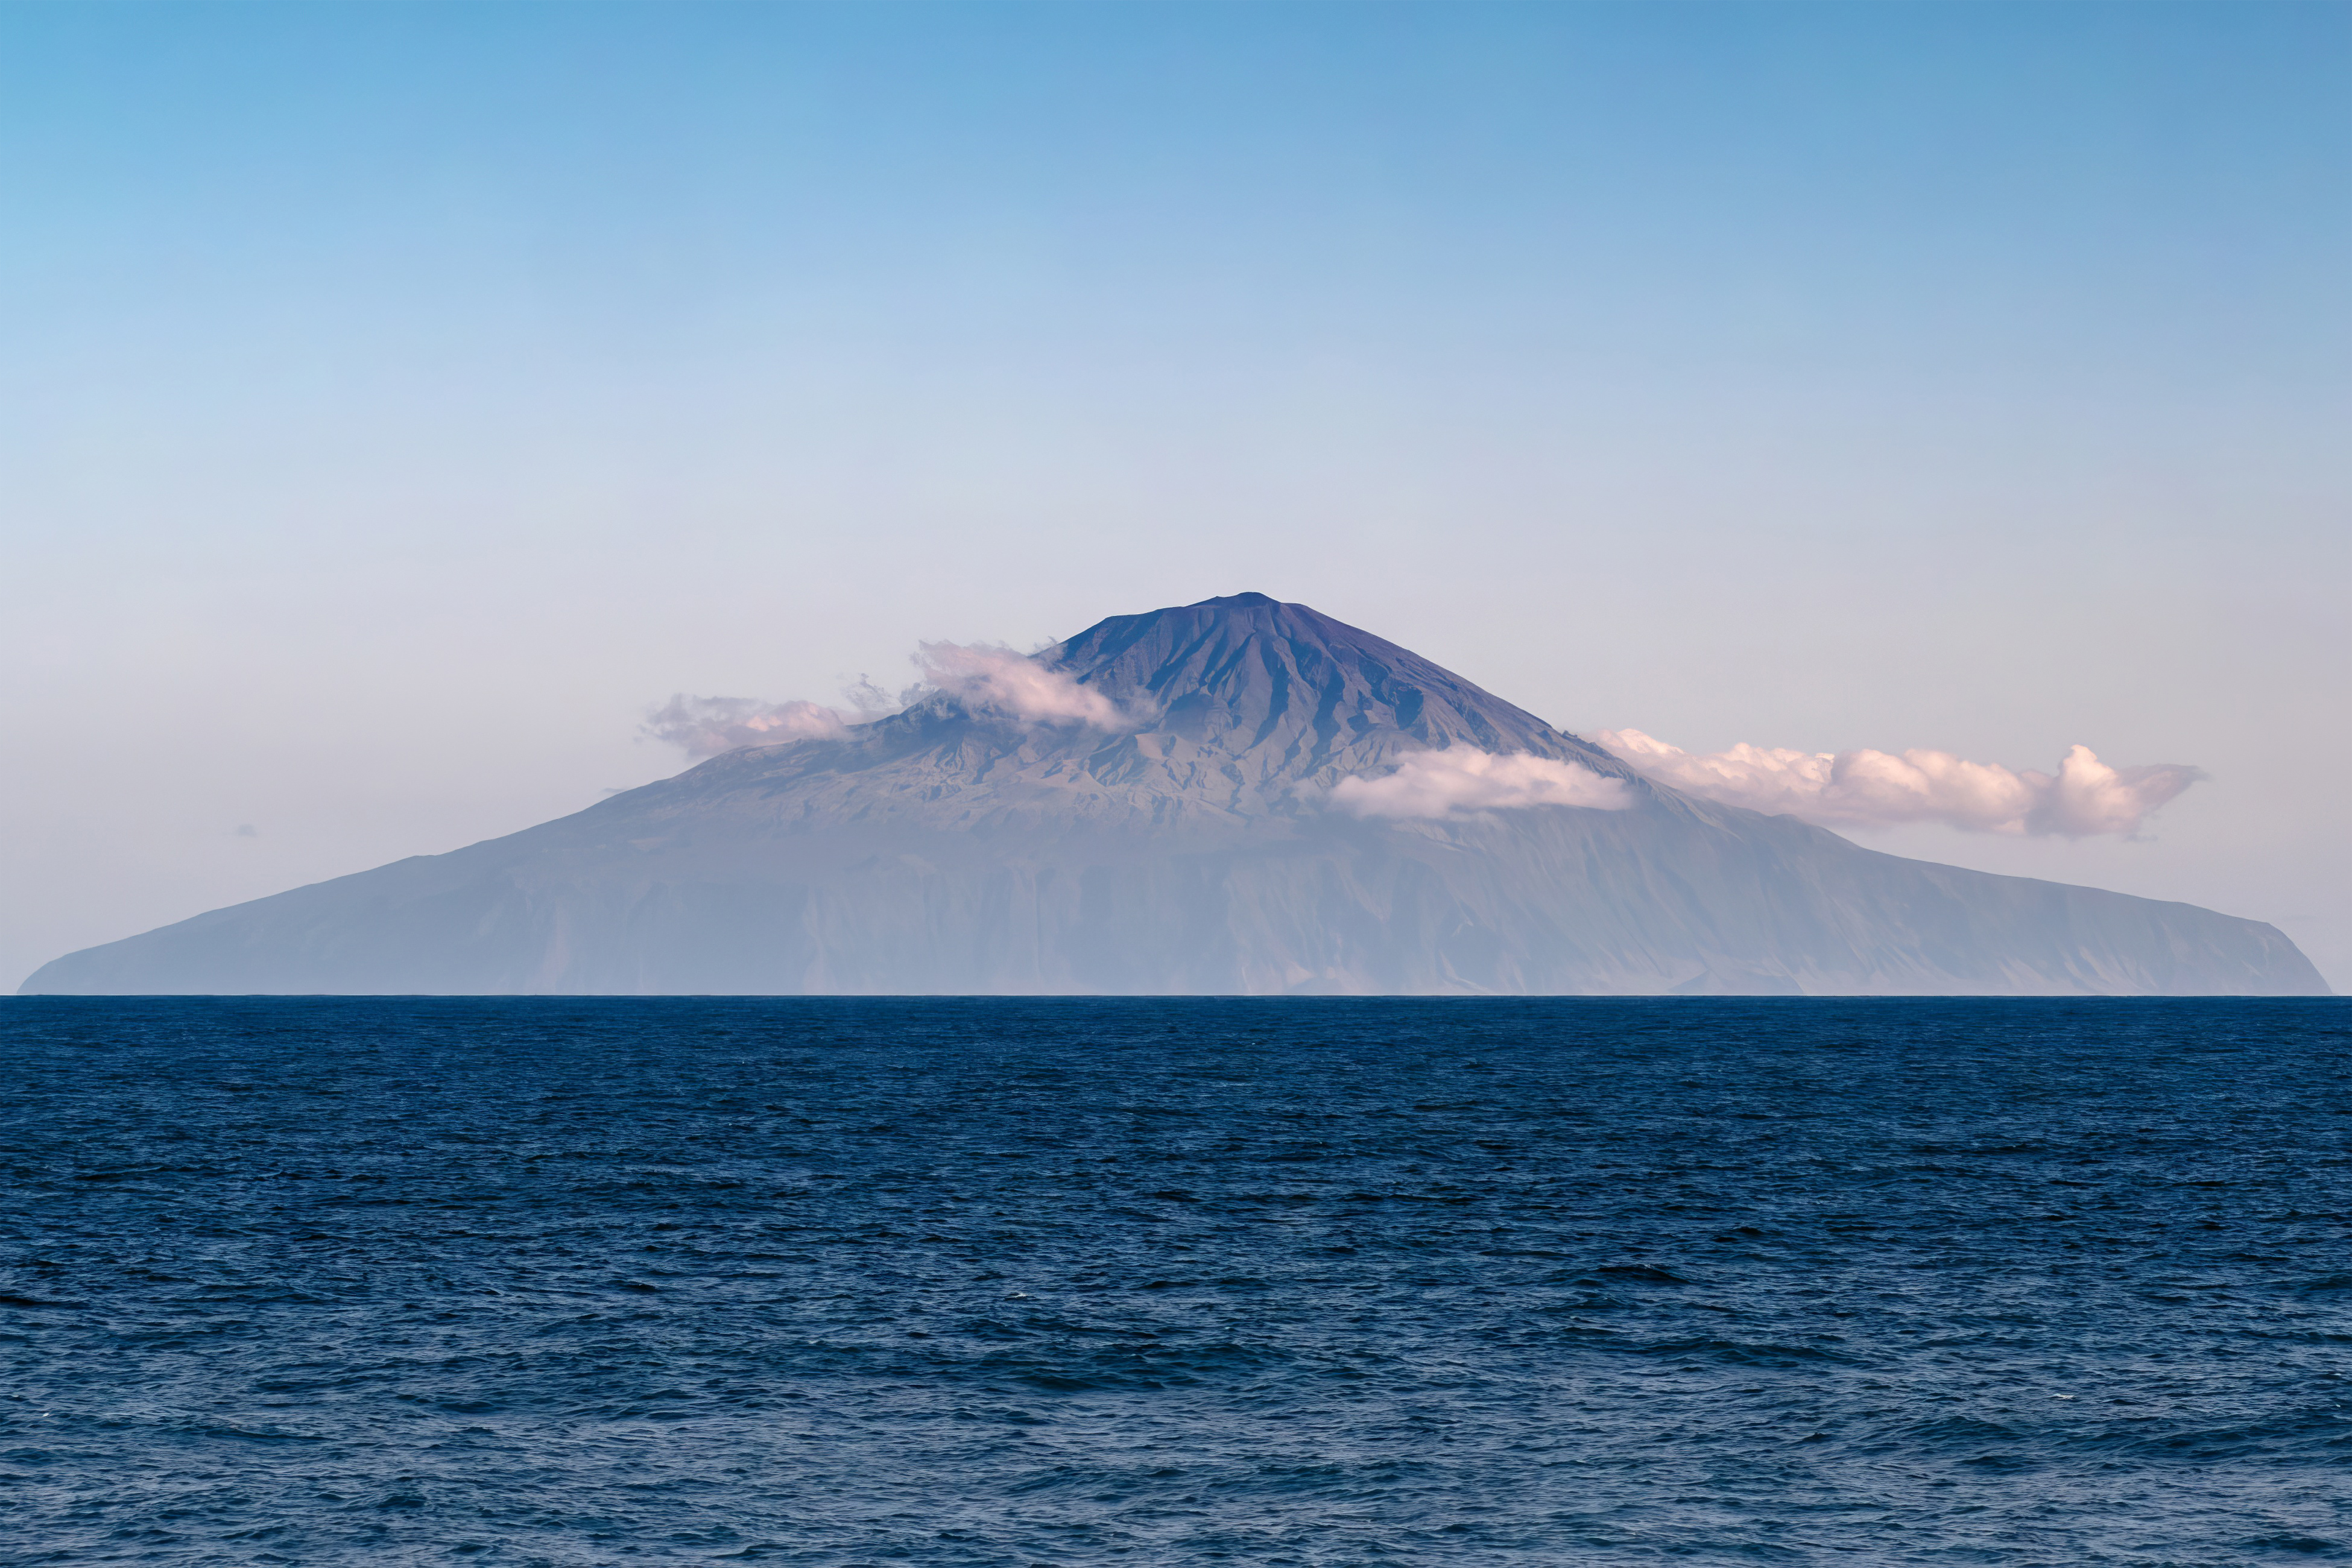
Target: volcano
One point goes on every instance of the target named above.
(1176, 827)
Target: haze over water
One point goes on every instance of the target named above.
(996, 1282)
(400, 402)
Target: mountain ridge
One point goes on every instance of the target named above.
(1187, 845)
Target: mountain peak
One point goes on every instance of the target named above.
(1182, 842)
(1240, 708)
(1295, 690)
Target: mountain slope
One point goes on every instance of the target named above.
(1187, 847)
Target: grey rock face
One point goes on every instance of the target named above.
(954, 848)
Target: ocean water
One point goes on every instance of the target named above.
(1061, 1282)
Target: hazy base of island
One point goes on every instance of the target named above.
(1190, 846)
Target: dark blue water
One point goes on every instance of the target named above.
(1015, 1282)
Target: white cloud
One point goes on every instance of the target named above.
(992, 679)
(1015, 684)
(1867, 788)
(705, 726)
(1463, 779)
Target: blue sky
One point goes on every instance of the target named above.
(400, 399)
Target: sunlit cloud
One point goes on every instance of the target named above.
(1017, 684)
(705, 726)
(1869, 789)
(1461, 780)
(995, 681)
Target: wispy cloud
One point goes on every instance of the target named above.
(984, 679)
(1867, 788)
(705, 726)
(1461, 780)
(1017, 684)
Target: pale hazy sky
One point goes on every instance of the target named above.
(396, 402)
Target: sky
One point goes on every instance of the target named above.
(397, 403)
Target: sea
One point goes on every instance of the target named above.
(1237, 1281)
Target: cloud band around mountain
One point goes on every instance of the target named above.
(705, 726)
(1875, 789)
(998, 681)
(1460, 780)
(1861, 788)
(1017, 684)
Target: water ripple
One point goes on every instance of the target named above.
(1010, 1283)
